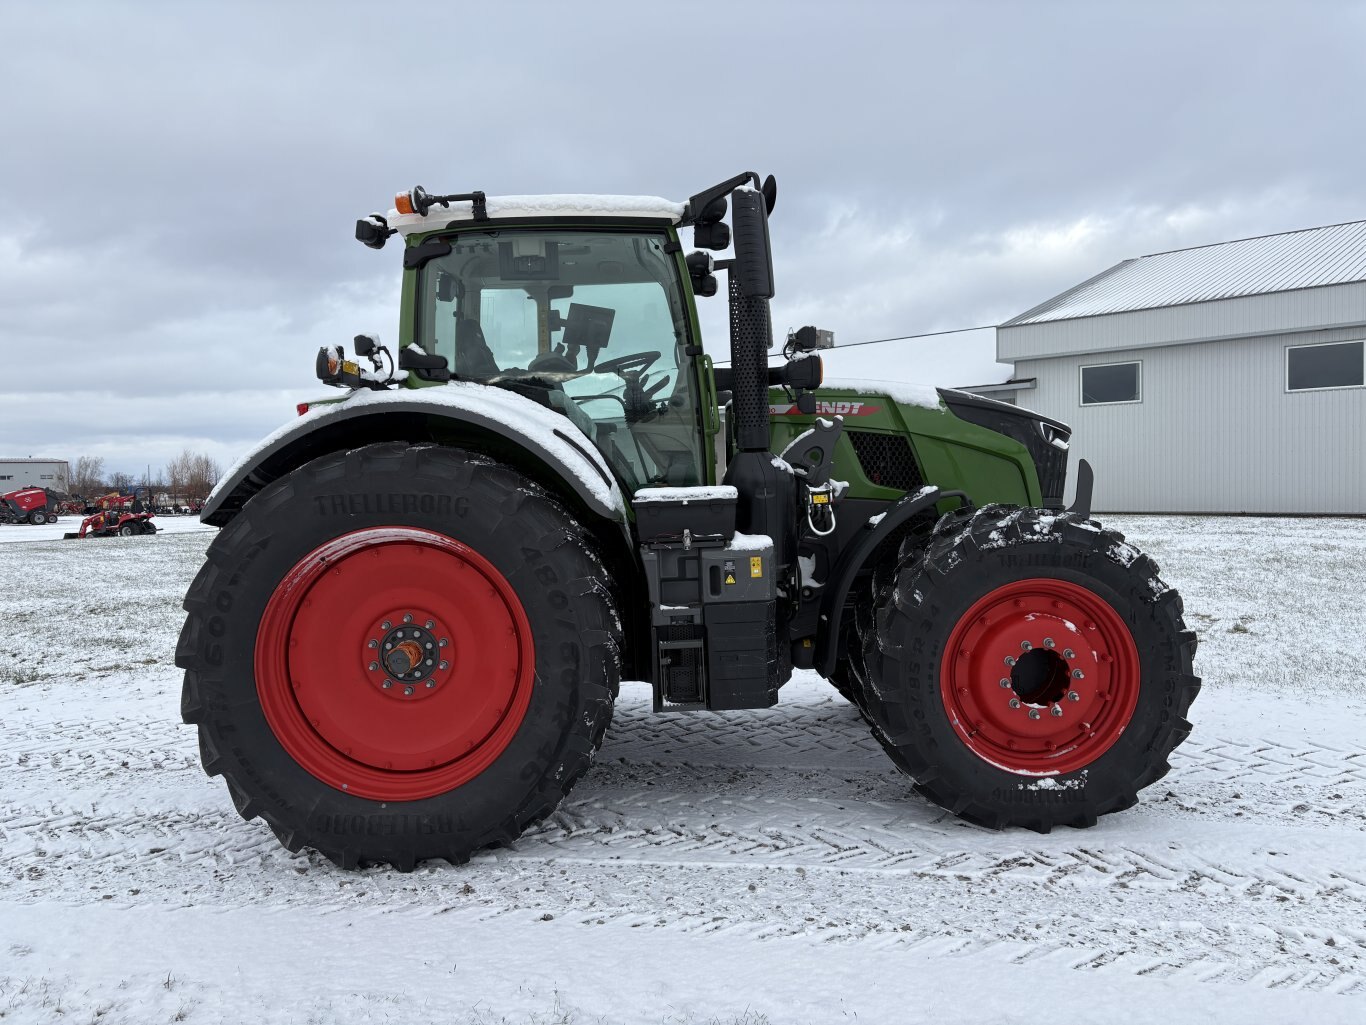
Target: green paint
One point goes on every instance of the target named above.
(951, 453)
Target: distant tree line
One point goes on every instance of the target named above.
(186, 480)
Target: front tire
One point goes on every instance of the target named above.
(399, 653)
(1029, 668)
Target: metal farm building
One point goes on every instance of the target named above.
(40, 473)
(1229, 378)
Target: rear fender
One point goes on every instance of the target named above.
(501, 424)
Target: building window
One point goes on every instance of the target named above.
(1326, 365)
(1109, 383)
(46, 476)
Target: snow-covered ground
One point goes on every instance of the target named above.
(18, 532)
(748, 867)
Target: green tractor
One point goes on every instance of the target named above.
(407, 638)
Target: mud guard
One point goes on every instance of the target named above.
(462, 412)
(1086, 481)
(855, 556)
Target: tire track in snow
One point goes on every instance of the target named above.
(1140, 916)
(784, 737)
(658, 827)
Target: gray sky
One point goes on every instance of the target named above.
(179, 182)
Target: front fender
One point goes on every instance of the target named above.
(855, 557)
(498, 422)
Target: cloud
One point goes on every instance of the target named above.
(180, 181)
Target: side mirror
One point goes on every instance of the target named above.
(365, 345)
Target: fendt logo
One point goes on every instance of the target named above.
(843, 407)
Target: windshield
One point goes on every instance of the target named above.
(590, 323)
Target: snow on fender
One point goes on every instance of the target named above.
(551, 437)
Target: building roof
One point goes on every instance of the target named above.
(1309, 258)
(944, 359)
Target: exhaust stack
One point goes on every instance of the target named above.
(767, 494)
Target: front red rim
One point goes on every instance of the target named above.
(1040, 677)
(394, 663)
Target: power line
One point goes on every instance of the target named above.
(898, 338)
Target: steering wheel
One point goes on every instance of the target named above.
(634, 361)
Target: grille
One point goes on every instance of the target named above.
(887, 460)
(683, 676)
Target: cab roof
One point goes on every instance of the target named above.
(567, 205)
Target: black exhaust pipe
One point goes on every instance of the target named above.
(767, 495)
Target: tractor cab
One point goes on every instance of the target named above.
(594, 323)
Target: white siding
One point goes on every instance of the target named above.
(19, 473)
(1216, 430)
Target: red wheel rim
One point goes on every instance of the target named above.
(356, 682)
(1040, 677)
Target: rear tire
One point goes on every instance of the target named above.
(283, 637)
(993, 722)
(127, 530)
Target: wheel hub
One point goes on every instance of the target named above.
(1040, 677)
(407, 654)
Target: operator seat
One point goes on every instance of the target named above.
(473, 358)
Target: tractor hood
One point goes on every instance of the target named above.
(1046, 439)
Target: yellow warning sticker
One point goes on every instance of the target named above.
(350, 368)
(819, 499)
(730, 578)
(756, 566)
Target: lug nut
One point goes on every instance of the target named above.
(1077, 674)
(1033, 713)
(429, 644)
(408, 691)
(1026, 646)
(1010, 660)
(442, 643)
(1055, 711)
(387, 684)
(385, 625)
(444, 665)
(407, 617)
(429, 661)
(430, 623)
(398, 633)
(1014, 702)
(431, 684)
(1048, 642)
(1005, 682)
(374, 643)
(1073, 696)
(374, 666)
(1069, 653)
